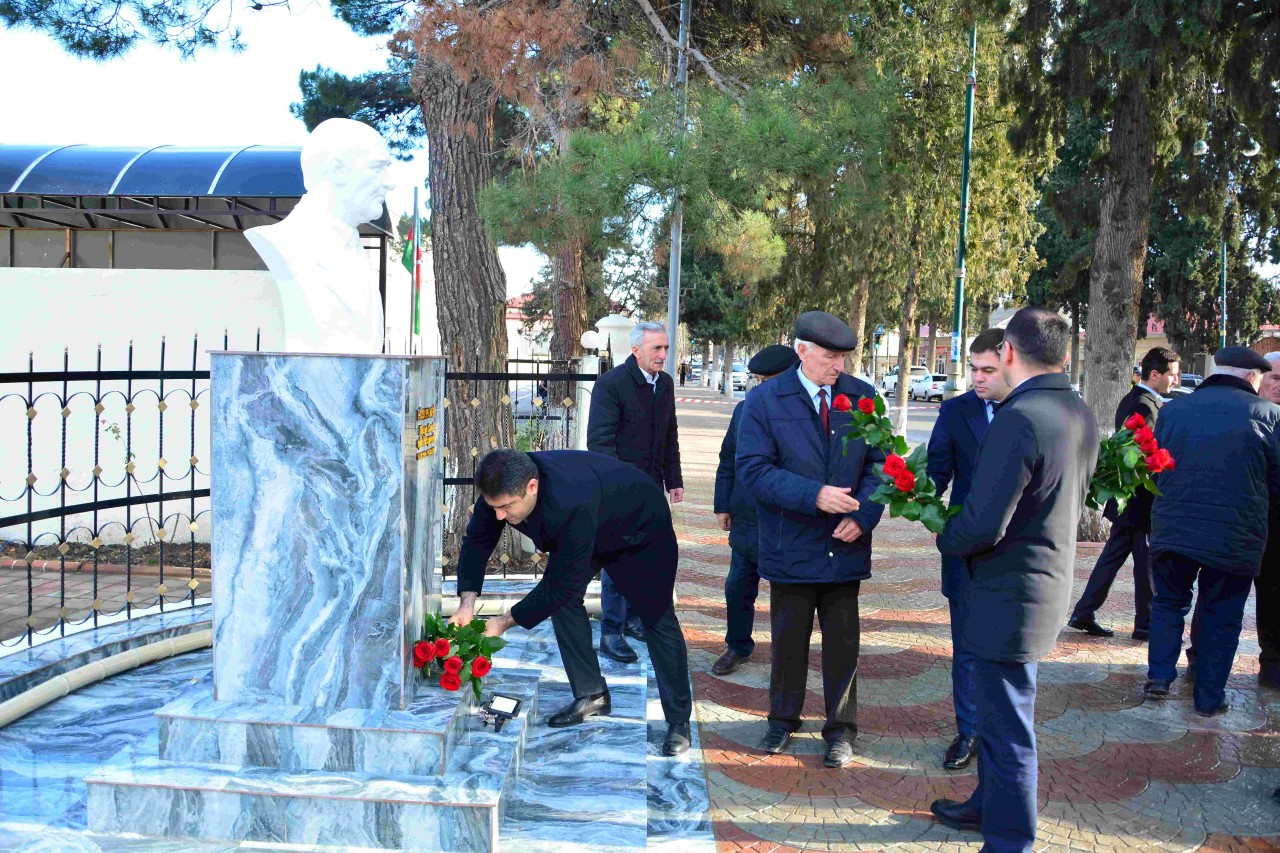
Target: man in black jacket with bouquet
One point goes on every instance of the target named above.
(588, 512)
(1129, 529)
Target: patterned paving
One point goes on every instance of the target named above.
(1115, 774)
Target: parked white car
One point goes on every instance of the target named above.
(889, 385)
(928, 387)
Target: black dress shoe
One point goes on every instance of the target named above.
(960, 753)
(1140, 634)
(614, 646)
(579, 709)
(678, 739)
(839, 753)
(1216, 712)
(775, 741)
(956, 815)
(634, 629)
(729, 662)
(1155, 689)
(1091, 627)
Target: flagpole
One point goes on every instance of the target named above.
(415, 234)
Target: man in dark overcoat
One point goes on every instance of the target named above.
(588, 512)
(1130, 529)
(633, 418)
(816, 519)
(1209, 524)
(735, 512)
(953, 454)
(1017, 532)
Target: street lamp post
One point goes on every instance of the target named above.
(955, 382)
(1222, 284)
(1200, 149)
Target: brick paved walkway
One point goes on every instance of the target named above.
(1115, 774)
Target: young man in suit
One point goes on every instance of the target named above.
(589, 512)
(736, 512)
(1130, 529)
(1017, 532)
(633, 418)
(953, 453)
(816, 518)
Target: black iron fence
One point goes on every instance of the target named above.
(104, 482)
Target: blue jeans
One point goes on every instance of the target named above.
(1221, 608)
(1007, 773)
(741, 588)
(614, 611)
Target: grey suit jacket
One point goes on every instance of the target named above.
(1018, 527)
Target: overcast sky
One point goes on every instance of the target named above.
(151, 97)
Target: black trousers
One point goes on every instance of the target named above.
(791, 610)
(639, 576)
(1122, 542)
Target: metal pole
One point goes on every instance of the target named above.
(677, 200)
(1222, 282)
(955, 382)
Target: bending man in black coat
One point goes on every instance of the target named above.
(588, 512)
(633, 418)
(1018, 534)
(1130, 529)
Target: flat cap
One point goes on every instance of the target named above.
(772, 360)
(826, 330)
(1241, 357)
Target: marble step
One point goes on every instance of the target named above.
(460, 810)
(418, 741)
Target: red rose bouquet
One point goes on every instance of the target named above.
(905, 487)
(461, 653)
(1127, 461)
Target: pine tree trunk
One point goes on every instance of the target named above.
(1115, 278)
(470, 285)
(1075, 345)
(568, 287)
(705, 380)
(907, 332)
(858, 322)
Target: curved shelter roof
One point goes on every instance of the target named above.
(165, 186)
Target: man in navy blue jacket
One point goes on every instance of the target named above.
(736, 512)
(953, 454)
(816, 519)
(1017, 533)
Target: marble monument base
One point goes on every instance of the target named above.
(430, 778)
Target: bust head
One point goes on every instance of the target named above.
(344, 164)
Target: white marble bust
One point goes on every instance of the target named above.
(327, 280)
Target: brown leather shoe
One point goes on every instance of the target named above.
(728, 662)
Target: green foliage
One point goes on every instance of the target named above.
(107, 29)
(382, 99)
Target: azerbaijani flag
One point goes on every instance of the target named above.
(412, 260)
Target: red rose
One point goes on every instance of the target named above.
(453, 665)
(450, 681)
(867, 406)
(906, 481)
(1143, 435)
(1159, 461)
(423, 653)
(1135, 422)
(841, 403)
(480, 667)
(894, 465)
(442, 647)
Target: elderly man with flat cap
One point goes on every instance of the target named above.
(1209, 522)
(736, 512)
(816, 518)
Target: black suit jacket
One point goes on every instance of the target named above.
(1137, 513)
(1018, 526)
(953, 454)
(589, 508)
(632, 422)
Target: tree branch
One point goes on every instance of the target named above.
(717, 79)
